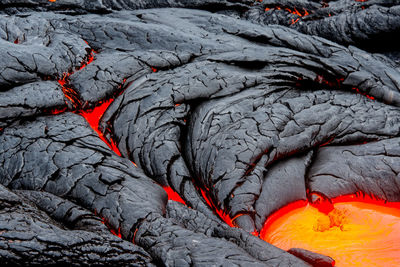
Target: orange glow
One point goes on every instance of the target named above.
(294, 11)
(327, 142)
(334, 83)
(55, 111)
(52, 1)
(93, 117)
(68, 91)
(89, 59)
(338, 83)
(116, 233)
(295, 21)
(362, 93)
(358, 231)
(172, 195)
(225, 217)
(105, 222)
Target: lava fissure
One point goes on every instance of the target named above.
(92, 115)
(221, 214)
(69, 92)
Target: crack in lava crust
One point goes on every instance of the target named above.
(93, 116)
(356, 231)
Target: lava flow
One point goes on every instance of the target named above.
(225, 217)
(354, 230)
(93, 117)
(294, 11)
(172, 195)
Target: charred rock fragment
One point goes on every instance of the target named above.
(240, 107)
(315, 259)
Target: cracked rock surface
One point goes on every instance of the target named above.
(239, 106)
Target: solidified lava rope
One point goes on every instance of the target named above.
(69, 92)
(93, 116)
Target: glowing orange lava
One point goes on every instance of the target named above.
(116, 233)
(93, 116)
(294, 11)
(225, 217)
(355, 231)
(172, 195)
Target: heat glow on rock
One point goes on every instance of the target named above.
(93, 116)
(172, 195)
(358, 231)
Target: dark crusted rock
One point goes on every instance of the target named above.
(211, 98)
(111, 71)
(29, 237)
(283, 184)
(29, 100)
(62, 155)
(363, 23)
(176, 245)
(33, 51)
(316, 260)
(371, 168)
(161, 104)
(199, 223)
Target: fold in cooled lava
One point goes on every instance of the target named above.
(235, 108)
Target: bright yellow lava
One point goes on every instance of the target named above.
(353, 233)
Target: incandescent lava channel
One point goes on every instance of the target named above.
(355, 231)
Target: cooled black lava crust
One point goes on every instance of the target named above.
(255, 103)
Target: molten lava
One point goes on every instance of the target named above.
(354, 230)
(294, 11)
(225, 217)
(69, 91)
(93, 117)
(172, 195)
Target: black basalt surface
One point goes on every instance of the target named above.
(239, 106)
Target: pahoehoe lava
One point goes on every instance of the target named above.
(167, 132)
